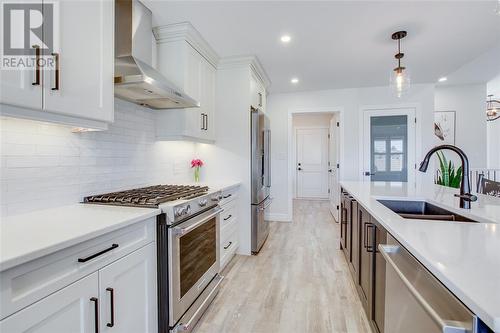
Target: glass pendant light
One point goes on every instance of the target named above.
(400, 77)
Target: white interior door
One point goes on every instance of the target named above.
(389, 145)
(333, 171)
(312, 163)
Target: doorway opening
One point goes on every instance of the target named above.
(314, 159)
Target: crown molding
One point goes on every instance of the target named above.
(186, 31)
(246, 61)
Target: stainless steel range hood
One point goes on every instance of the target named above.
(135, 80)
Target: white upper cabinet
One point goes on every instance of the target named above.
(189, 62)
(20, 85)
(257, 92)
(77, 87)
(84, 44)
(71, 309)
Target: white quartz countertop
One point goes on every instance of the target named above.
(465, 257)
(32, 235)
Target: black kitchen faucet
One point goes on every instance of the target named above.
(465, 196)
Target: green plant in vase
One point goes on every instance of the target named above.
(447, 175)
(196, 164)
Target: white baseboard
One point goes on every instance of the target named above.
(278, 217)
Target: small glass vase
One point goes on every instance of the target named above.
(197, 174)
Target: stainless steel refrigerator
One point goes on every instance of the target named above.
(261, 177)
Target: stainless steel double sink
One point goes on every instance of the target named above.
(423, 210)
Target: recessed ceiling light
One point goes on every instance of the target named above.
(286, 39)
(294, 80)
(442, 79)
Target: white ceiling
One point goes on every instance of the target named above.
(341, 44)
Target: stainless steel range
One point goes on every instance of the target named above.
(188, 248)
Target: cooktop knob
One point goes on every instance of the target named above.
(178, 211)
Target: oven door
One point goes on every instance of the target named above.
(193, 260)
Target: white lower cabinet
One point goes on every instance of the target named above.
(229, 234)
(127, 290)
(116, 296)
(70, 310)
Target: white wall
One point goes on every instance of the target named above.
(468, 101)
(45, 165)
(493, 128)
(350, 100)
(312, 120)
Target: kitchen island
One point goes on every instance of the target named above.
(465, 257)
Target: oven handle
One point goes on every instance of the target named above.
(203, 306)
(181, 231)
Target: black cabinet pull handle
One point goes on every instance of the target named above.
(37, 65)
(228, 217)
(96, 313)
(227, 196)
(228, 245)
(114, 246)
(112, 306)
(370, 245)
(365, 235)
(57, 71)
(206, 122)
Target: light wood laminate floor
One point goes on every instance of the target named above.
(299, 282)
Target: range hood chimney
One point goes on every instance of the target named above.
(135, 80)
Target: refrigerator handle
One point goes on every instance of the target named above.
(268, 157)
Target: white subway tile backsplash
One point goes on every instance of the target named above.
(46, 165)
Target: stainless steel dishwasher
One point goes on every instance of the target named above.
(416, 302)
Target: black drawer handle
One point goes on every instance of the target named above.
(228, 217)
(96, 313)
(227, 196)
(228, 245)
(114, 246)
(112, 306)
(365, 235)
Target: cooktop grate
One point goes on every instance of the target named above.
(150, 196)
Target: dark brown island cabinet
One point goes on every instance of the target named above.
(360, 236)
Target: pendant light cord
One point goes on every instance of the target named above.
(399, 53)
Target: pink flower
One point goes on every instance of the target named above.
(196, 163)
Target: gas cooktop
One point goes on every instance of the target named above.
(151, 196)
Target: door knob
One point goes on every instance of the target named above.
(300, 169)
(330, 170)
